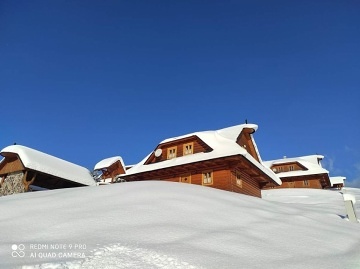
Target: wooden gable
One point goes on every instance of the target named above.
(11, 163)
(179, 145)
(287, 167)
(113, 170)
(244, 140)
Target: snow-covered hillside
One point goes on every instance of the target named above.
(173, 225)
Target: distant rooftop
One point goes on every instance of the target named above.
(48, 164)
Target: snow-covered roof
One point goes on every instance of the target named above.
(310, 162)
(337, 180)
(223, 143)
(108, 162)
(315, 159)
(45, 163)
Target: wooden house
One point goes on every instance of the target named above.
(226, 159)
(300, 172)
(24, 169)
(109, 169)
(337, 182)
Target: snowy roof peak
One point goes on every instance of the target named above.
(233, 132)
(108, 162)
(230, 133)
(48, 164)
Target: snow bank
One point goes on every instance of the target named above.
(174, 225)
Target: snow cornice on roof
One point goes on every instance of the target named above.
(48, 164)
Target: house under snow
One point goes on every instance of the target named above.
(24, 169)
(300, 172)
(109, 169)
(337, 182)
(226, 159)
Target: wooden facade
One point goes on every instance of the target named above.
(233, 172)
(230, 174)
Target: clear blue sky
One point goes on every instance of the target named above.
(87, 80)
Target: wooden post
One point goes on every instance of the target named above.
(28, 183)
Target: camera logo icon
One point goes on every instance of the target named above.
(18, 251)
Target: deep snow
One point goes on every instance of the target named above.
(174, 225)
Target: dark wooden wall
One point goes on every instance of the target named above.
(286, 167)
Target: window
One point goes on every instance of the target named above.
(306, 182)
(238, 179)
(171, 153)
(291, 168)
(185, 178)
(188, 149)
(207, 178)
(279, 168)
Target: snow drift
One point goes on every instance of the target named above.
(173, 225)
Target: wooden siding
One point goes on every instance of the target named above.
(198, 146)
(222, 172)
(248, 186)
(11, 164)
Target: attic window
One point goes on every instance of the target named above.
(291, 168)
(188, 149)
(171, 153)
(207, 178)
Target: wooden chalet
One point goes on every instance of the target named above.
(24, 169)
(109, 169)
(300, 172)
(226, 159)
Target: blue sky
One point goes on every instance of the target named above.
(87, 80)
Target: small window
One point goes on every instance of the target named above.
(279, 168)
(171, 153)
(238, 179)
(188, 149)
(185, 178)
(291, 168)
(306, 182)
(208, 178)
